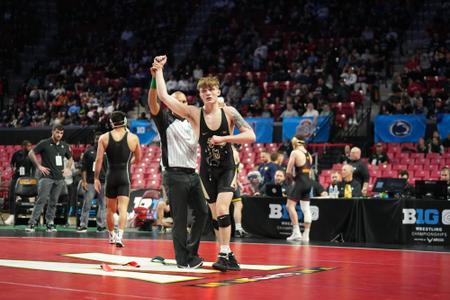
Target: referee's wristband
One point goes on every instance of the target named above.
(153, 84)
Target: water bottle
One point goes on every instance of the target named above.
(335, 192)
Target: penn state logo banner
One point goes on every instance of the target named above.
(314, 131)
(400, 128)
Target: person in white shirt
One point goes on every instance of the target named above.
(311, 111)
(289, 111)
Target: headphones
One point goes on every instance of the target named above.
(119, 124)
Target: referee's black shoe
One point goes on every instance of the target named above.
(222, 262)
(233, 265)
(195, 262)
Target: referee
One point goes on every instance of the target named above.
(180, 181)
(52, 151)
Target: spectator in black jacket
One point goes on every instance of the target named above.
(360, 170)
(379, 156)
(408, 190)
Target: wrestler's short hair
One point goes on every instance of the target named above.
(208, 82)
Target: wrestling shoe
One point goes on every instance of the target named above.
(233, 265)
(295, 236)
(30, 228)
(51, 228)
(222, 263)
(195, 262)
(82, 229)
(112, 238)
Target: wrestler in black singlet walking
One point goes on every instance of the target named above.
(118, 175)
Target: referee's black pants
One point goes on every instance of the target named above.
(183, 189)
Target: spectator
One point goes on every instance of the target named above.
(280, 180)
(255, 179)
(289, 111)
(280, 161)
(445, 176)
(345, 158)
(408, 190)
(422, 147)
(349, 187)
(360, 170)
(333, 188)
(435, 145)
(310, 111)
(379, 156)
(267, 167)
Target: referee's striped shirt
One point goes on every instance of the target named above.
(178, 141)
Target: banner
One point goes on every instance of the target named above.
(400, 128)
(314, 132)
(145, 130)
(426, 222)
(268, 216)
(395, 221)
(263, 128)
(443, 125)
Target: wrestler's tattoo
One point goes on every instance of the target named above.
(239, 120)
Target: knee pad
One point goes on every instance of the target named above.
(215, 224)
(224, 220)
(307, 218)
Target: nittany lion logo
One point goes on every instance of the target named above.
(400, 128)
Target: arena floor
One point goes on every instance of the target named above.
(68, 265)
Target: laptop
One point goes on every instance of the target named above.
(389, 185)
(431, 189)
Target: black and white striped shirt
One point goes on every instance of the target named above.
(178, 141)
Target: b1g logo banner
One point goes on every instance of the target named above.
(426, 225)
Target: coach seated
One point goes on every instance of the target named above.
(278, 188)
(408, 190)
(349, 187)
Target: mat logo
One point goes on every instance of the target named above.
(280, 212)
(428, 216)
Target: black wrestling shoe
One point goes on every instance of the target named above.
(195, 262)
(222, 263)
(233, 264)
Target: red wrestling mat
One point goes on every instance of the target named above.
(70, 268)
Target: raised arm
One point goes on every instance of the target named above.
(184, 111)
(152, 98)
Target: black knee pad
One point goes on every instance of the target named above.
(224, 220)
(215, 224)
